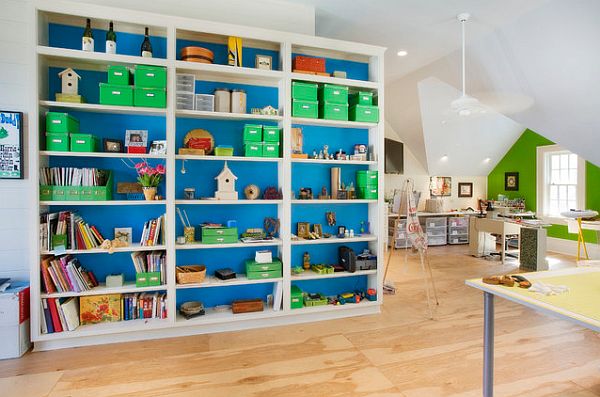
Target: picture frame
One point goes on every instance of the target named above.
(158, 147)
(440, 186)
(318, 229)
(136, 138)
(124, 234)
(511, 181)
(263, 62)
(341, 231)
(465, 189)
(112, 145)
(11, 145)
(303, 229)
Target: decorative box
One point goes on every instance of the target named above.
(309, 64)
(57, 141)
(219, 235)
(118, 95)
(150, 76)
(99, 308)
(366, 178)
(185, 101)
(253, 149)
(185, 83)
(365, 113)
(306, 109)
(114, 280)
(333, 111)
(61, 122)
(83, 143)
(271, 134)
(247, 306)
(314, 299)
(330, 93)
(361, 98)
(270, 149)
(118, 75)
(253, 133)
(368, 193)
(265, 256)
(224, 151)
(150, 97)
(254, 266)
(304, 91)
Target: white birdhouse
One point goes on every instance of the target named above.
(226, 185)
(70, 81)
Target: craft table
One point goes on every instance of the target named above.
(480, 226)
(579, 305)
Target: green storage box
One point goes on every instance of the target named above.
(141, 279)
(57, 141)
(219, 239)
(59, 240)
(306, 109)
(262, 275)
(150, 76)
(304, 91)
(118, 75)
(366, 113)
(73, 193)
(253, 133)
(318, 300)
(333, 111)
(84, 143)
(45, 192)
(361, 98)
(150, 97)
(368, 193)
(98, 193)
(86, 193)
(61, 122)
(59, 193)
(270, 149)
(253, 266)
(271, 134)
(366, 178)
(297, 300)
(153, 278)
(333, 94)
(119, 95)
(220, 235)
(224, 151)
(253, 149)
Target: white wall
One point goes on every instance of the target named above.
(16, 47)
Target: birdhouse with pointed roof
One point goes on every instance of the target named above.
(226, 185)
(70, 81)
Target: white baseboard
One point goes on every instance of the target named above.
(569, 247)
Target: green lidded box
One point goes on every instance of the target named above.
(150, 76)
(253, 266)
(270, 149)
(333, 111)
(366, 178)
(307, 109)
(253, 149)
(253, 133)
(118, 75)
(333, 94)
(84, 143)
(271, 134)
(61, 122)
(150, 97)
(365, 113)
(297, 300)
(57, 141)
(304, 91)
(361, 98)
(119, 95)
(368, 193)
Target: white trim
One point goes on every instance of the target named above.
(569, 247)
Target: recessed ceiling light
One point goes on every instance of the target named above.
(487, 160)
(402, 53)
(444, 158)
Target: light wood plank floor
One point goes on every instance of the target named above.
(397, 353)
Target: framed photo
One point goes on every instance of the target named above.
(11, 145)
(124, 234)
(511, 181)
(341, 230)
(263, 62)
(136, 138)
(303, 229)
(318, 229)
(465, 189)
(440, 186)
(342, 195)
(113, 145)
(158, 147)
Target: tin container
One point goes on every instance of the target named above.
(238, 101)
(223, 100)
(189, 193)
(189, 232)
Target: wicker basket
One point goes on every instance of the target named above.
(190, 274)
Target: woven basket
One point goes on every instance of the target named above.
(190, 274)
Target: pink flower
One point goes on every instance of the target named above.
(140, 165)
(143, 171)
(160, 169)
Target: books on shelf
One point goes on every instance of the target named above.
(65, 274)
(155, 261)
(64, 230)
(71, 176)
(144, 305)
(59, 315)
(153, 232)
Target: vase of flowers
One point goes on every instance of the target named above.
(149, 178)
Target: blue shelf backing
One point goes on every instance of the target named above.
(256, 96)
(354, 70)
(215, 259)
(346, 215)
(330, 287)
(211, 297)
(103, 265)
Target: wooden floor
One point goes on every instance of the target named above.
(397, 353)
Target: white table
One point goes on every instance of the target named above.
(479, 226)
(572, 306)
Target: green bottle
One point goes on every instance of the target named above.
(87, 41)
(111, 40)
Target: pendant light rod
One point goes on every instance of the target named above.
(463, 18)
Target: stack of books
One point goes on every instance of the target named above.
(144, 305)
(65, 274)
(70, 176)
(59, 315)
(153, 232)
(69, 231)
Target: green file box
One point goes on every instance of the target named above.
(118, 95)
(306, 109)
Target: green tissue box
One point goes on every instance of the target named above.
(361, 98)
(253, 149)
(57, 141)
(253, 133)
(333, 94)
(150, 76)
(304, 91)
(118, 75)
(365, 113)
(271, 134)
(118, 95)
(333, 111)
(297, 300)
(306, 109)
(61, 122)
(150, 97)
(84, 143)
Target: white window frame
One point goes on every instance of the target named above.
(542, 190)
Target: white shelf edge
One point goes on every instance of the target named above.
(132, 248)
(241, 279)
(108, 328)
(332, 123)
(334, 162)
(213, 317)
(233, 245)
(228, 158)
(98, 57)
(225, 116)
(97, 108)
(228, 202)
(310, 275)
(355, 201)
(107, 203)
(49, 153)
(244, 72)
(335, 80)
(328, 307)
(128, 287)
(335, 240)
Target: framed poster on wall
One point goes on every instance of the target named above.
(11, 142)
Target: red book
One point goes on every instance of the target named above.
(54, 313)
(79, 237)
(152, 232)
(23, 305)
(92, 278)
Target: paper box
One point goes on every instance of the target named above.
(14, 321)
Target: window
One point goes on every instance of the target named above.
(561, 181)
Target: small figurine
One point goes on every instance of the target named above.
(315, 155)
(306, 261)
(362, 227)
(323, 195)
(321, 155)
(326, 151)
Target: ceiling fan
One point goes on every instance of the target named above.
(465, 105)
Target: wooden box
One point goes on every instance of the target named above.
(247, 306)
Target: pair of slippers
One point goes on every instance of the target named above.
(508, 281)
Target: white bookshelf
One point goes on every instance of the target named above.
(171, 28)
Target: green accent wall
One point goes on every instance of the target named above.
(522, 158)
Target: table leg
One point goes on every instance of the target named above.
(503, 247)
(488, 345)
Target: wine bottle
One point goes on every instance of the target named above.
(111, 40)
(146, 46)
(87, 41)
